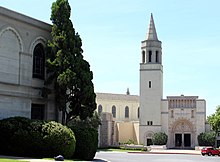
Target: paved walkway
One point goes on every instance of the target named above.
(175, 151)
(168, 151)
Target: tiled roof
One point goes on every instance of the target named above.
(110, 96)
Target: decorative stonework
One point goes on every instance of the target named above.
(38, 40)
(182, 125)
(3, 31)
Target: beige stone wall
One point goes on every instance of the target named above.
(125, 128)
(186, 116)
(127, 131)
(120, 101)
(106, 130)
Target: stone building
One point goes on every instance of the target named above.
(22, 69)
(182, 118)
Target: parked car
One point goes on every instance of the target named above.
(210, 151)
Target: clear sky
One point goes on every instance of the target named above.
(112, 31)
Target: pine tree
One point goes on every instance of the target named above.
(66, 68)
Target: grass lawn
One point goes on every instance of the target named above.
(11, 160)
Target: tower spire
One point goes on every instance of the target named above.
(152, 34)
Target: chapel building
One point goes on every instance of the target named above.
(137, 118)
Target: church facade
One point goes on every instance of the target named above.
(182, 118)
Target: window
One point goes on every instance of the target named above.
(149, 85)
(149, 56)
(37, 111)
(138, 112)
(157, 56)
(126, 112)
(143, 56)
(149, 122)
(192, 113)
(38, 62)
(171, 113)
(99, 109)
(114, 111)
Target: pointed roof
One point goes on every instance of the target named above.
(152, 34)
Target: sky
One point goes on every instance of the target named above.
(112, 31)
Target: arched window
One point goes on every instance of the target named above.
(138, 112)
(157, 56)
(114, 111)
(143, 57)
(126, 112)
(38, 62)
(149, 56)
(99, 109)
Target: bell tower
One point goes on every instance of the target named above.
(151, 84)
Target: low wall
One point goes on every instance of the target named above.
(158, 147)
(199, 148)
(134, 146)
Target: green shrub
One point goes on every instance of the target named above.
(58, 139)
(130, 141)
(24, 137)
(159, 138)
(10, 135)
(86, 136)
(86, 143)
(206, 139)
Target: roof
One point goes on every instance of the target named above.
(25, 19)
(110, 96)
(152, 34)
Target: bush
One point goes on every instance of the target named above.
(86, 136)
(13, 134)
(206, 139)
(59, 139)
(24, 137)
(86, 143)
(159, 138)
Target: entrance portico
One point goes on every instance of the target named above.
(182, 131)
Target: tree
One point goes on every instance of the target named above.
(66, 68)
(206, 139)
(159, 138)
(214, 121)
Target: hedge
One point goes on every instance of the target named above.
(20, 136)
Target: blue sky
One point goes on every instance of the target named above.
(112, 31)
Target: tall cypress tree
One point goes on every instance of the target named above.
(66, 68)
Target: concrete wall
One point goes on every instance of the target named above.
(19, 35)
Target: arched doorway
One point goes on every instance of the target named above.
(148, 138)
(182, 134)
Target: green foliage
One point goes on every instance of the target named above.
(86, 136)
(214, 120)
(67, 70)
(206, 139)
(130, 141)
(92, 122)
(86, 143)
(24, 137)
(59, 139)
(159, 138)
